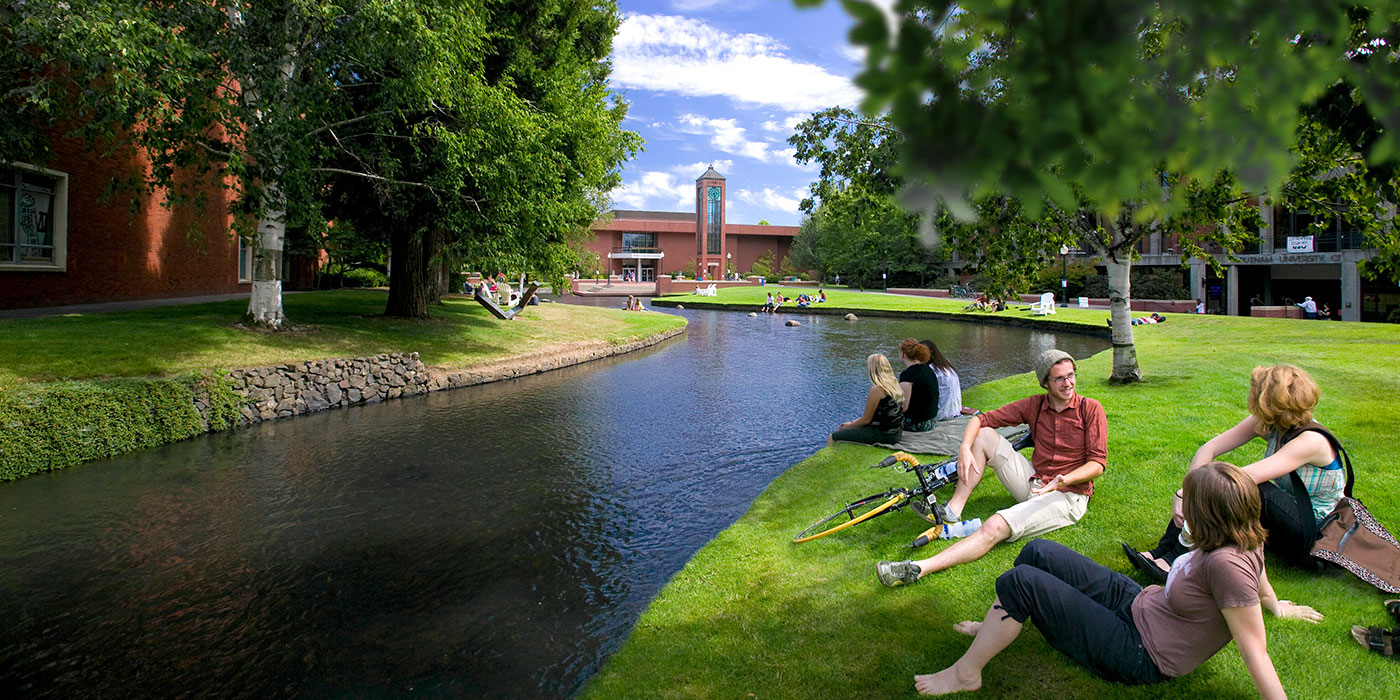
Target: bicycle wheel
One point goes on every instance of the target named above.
(854, 513)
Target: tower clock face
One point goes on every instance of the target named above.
(714, 194)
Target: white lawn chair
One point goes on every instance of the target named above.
(1045, 306)
(712, 290)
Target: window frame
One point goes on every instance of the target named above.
(59, 223)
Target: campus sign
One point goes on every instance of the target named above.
(1284, 259)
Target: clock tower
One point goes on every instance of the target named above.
(709, 225)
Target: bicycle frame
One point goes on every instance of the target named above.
(932, 477)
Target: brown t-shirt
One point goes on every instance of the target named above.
(1181, 624)
(1064, 440)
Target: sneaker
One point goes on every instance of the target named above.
(935, 512)
(897, 573)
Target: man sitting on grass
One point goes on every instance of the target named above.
(1069, 433)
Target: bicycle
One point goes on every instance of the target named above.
(922, 498)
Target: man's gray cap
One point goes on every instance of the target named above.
(1049, 359)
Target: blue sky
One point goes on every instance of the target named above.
(723, 82)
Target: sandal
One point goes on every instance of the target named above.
(1379, 640)
(1148, 567)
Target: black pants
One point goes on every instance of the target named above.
(1290, 523)
(867, 434)
(1083, 609)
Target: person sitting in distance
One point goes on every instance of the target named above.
(1123, 632)
(1052, 489)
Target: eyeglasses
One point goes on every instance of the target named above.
(1063, 380)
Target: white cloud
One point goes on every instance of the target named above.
(772, 198)
(696, 5)
(786, 126)
(686, 56)
(728, 136)
(665, 190)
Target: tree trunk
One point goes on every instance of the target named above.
(265, 303)
(409, 279)
(1125, 366)
(437, 266)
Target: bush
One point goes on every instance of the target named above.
(1394, 316)
(44, 427)
(1144, 286)
(365, 277)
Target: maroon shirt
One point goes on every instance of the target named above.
(1064, 440)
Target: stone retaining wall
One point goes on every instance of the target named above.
(283, 391)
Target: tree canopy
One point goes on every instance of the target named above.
(991, 95)
(481, 132)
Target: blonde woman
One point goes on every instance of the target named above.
(1281, 401)
(883, 420)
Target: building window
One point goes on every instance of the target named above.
(1334, 235)
(699, 235)
(245, 260)
(33, 218)
(635, 241)
(713, 220)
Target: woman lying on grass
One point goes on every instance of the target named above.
(1281, 401)
(1122, 632)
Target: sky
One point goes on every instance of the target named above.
(723, 83)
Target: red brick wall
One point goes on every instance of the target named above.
(115, 255)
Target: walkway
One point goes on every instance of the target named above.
(118, 306)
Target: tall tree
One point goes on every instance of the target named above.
(270, 98)
(1116, 118)
(854, 224)
(514, 157)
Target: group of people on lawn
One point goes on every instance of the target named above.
(1209, 583)
(776, 301)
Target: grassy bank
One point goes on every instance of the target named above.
(172, 340)
(83, 387)
(753, 615)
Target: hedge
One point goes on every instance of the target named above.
(44, 427)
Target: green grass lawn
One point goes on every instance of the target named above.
(753, 615)
(171, 340)
(841, 300)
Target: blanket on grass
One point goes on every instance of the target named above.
(944, 439)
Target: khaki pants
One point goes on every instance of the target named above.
(1032, 515)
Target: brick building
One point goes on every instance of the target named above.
(63, 242)
(651, 243)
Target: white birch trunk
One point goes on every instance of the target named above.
(1125, 366)
(265, 304)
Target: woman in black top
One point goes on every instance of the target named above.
(919, 385)
(883, 420)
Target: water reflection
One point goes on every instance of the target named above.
(497, 541)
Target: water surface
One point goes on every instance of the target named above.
(495, 541)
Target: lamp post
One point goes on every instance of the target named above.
(1064, 274)
(728, 263)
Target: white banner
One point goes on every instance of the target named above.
(1300, 244)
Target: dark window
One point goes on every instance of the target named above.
(699, 234)
(1330, 233)
(632, 241)
(27, 201)
(713, 221)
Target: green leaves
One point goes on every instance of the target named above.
(991, 94)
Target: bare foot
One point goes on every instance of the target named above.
(944, 682)
(967, 627)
